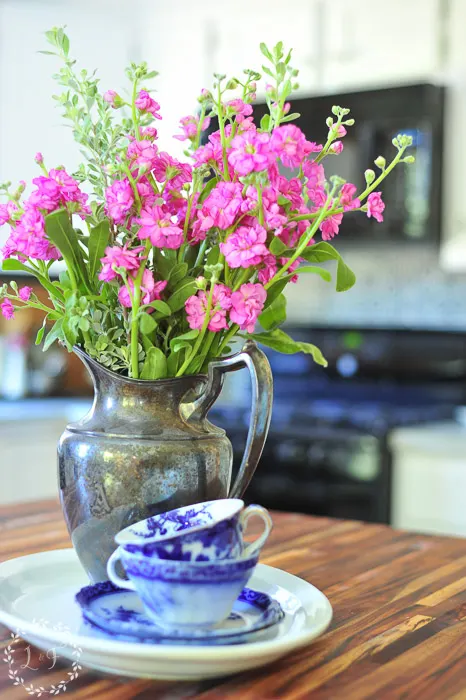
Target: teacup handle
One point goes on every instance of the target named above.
(261, 512)
(112, 574)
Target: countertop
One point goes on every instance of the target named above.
(399, 627)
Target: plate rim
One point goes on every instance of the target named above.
(170, 652)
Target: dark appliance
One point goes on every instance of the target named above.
(414, 191)
(327, 451)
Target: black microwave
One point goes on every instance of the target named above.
(413, 193)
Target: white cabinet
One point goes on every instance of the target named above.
(369, 43)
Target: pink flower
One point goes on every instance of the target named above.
(245, 246)
(240, 109)
(145, 103)
(289, 144)
(149, 132)
(347, 193)
(196, 308)
(146, 192)
(27, 239)
(317, 197)
(24, 293)
(119, 199)
(119, 257)
(336, 147)
(7, 309)
(157, 225)
(375, 206)
(112, 98)
(6, 210)
(246, 305)
(268, 271)
(222, 205)
(47, 194)
(150, 289)
(330, 226)
(166, 168)
(142, 154)
(189, 126)
(69, 188)
(314, 173)
(250, 152)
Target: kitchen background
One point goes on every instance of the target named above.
(379, 435)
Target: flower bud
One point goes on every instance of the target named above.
(336, 147)
(253, 86)
(201, 282)
(232, 84)
(113, 99)
(409, 159)
(329, 122)
(380, 162)
(286, 108)
(370, 176)
(39, 158)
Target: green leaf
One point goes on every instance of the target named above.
(155, 365)
(146, 323)
(163, 263)
(207, 189)
(290, 117)
(277, 247)
(12, 264)
(177, 273)
(55, 333)
(265, 122)
(41, 331)
(84, 324)
(321, 252)
(213, 255)
(281, 342)
(173, 363)
(265, 52)
(184, 340)
(185, 289)
(161, 307)
(274, 291)
(60, 231)
(97, 242)
(275, 314)
(325, 274)
(69, 331)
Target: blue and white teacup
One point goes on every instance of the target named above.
(183, 594)
(208, 531)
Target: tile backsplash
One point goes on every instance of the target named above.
(400, 287)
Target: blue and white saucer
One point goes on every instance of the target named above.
(119, 614)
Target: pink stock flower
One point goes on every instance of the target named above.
(336, 147)
(330, 226)
(246, 305)
(157, 225)
(142, 154)
(268, 271)
(119, 257)
(347, 199)
(222, 205)
(27, 239)
(375, 206)
(245, 246)
(289, 144)
(149, 132)
(166, 168)
(314, 173)
(69, 188)
(110, 97)
(47, 194)
(150, 290)
(189, 126)
(196, 308)
(240, 109)
(24, 293)
(250, 152)
(145, 103)
(119, 199)
(317, 197)
(146, 192)
(7, 309)
(6, 211)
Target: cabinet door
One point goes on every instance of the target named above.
(373, 42)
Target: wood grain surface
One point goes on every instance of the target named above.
(399, 628)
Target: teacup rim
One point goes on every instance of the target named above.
(252, 559)
(122, 539)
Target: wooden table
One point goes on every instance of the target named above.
(399, 628)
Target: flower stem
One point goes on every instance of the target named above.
(134, 112)
(221, 123)
(135, 303)
(231, 333)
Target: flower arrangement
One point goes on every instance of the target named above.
(176, 258)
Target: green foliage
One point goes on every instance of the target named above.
(281, 342)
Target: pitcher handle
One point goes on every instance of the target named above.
(261, 410)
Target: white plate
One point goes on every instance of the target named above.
(37, 595)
